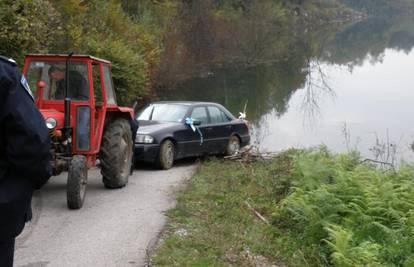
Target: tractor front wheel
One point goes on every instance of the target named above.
(116, 154)
(77, 181)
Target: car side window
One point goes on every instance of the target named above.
(200, 114)
(225, 117)
(216, 115)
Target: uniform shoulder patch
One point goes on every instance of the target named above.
(8, 60)
(25, 85)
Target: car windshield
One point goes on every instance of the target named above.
(53, 74)
(163, 112)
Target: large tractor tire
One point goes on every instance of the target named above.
(166, 156)
(116, 154)
(77, 181)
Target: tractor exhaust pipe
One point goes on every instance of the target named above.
(67, 102)
(67, 99)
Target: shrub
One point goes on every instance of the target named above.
(28, 26)
(356, 215)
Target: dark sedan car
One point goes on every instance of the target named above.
(173, 130)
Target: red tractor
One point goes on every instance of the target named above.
(75, 94)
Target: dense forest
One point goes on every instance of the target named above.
(155, 42)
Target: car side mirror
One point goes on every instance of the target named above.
(192, 123)
(39, 93)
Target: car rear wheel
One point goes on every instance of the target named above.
(116, 154)
(77, 181)
(233, 145)
(166, 155)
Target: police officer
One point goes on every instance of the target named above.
(24, 155)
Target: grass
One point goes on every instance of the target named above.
(322, 210)
(213, 226)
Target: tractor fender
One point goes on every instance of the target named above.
(120, 112)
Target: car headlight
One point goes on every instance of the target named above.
(144, 138)
(51, 123)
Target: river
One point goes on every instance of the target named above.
(354, 91)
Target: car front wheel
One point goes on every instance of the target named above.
(166, 155)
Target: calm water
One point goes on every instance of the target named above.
(358, 92)
(373, 101)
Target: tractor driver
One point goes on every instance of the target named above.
(78, 86)
(78, 90)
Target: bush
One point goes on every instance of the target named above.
(28, 26)
(132, 41)
(355, 214)
(129, 71)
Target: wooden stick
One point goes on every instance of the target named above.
(258, 215)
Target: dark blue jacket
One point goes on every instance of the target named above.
(24, 150)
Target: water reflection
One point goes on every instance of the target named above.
(374, 100)
(317, 88)
(265, 87)
(369, 38)
(359, 77)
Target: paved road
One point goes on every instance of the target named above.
(114, 227)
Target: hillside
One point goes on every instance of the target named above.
(145, 38)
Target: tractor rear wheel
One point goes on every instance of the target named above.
(77, 180)
(116, 154)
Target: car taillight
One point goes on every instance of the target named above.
(247, 123)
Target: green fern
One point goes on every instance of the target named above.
(363, 217)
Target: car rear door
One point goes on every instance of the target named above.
(220, 129)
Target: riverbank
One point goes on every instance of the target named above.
(302, 208)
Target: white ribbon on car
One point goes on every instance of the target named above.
(189, 121)
(243, 115)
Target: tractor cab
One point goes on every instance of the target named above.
(76, 96)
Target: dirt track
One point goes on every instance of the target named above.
(114, 227)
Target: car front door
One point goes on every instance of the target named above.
(199, 146)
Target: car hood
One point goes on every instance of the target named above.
(149, 127)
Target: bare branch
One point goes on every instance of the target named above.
(258, 215)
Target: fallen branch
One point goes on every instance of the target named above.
(258, 215)
(250, 154)
(378, 162)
